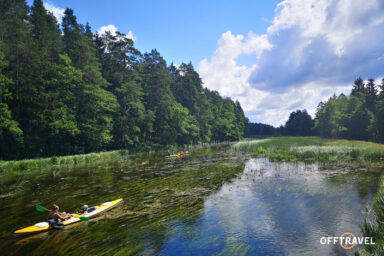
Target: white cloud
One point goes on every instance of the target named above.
(312, 49)
(56, 11)
(222, 73)
(112, 29)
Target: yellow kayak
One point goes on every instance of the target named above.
(45, 226)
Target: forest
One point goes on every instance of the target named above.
(299, 123)
(358, 116)
(66, 90)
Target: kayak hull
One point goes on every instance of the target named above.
(44, 226)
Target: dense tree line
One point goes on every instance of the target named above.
(66, 90)
(357, 116)
(299, 123)
(260, 129)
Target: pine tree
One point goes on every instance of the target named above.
(379, 117)
(158, 97)
(46, 33)
(18, 51)
(371, 95)
(78, 92)
(95, 105)
(120, 62)
(358, 86)
(9, 129)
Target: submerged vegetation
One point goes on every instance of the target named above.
(158, 194)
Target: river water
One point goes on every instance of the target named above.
(210, 203)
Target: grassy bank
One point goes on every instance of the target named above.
(275, 148)
(91, 159)
(96, 159)
(311, 149)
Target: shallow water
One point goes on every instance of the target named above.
(210, 203)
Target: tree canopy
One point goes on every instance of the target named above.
(66, 90)
(357, 116)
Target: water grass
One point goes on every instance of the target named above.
(55, 162)
(312, 149)
(373, 225)
(100, 158)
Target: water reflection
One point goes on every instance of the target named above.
(212, 203)
(274, 209)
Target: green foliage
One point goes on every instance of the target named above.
(378, 126)
(7, 124)
(373, 226)
(260, 129)
(312, 149)
(299, 123)
(71, 91)
(357, 116)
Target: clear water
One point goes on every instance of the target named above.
(216, 203)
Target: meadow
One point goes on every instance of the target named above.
(312, 149)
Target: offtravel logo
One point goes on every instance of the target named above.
(347, 240)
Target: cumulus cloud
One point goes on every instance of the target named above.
(56, 11)
(313, 48)
(222, 73)
(113, 29)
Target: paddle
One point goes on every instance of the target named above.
(43, 209)
(85, 219)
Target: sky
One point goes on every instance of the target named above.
(273, 56)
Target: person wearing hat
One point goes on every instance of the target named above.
(83, 210)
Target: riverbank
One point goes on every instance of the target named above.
(312, 149)
(96, 159)
(275, 148)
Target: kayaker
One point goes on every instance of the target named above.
(83, 210)
(56, 216)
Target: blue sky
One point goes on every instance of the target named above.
(182, 31)
(272, 56)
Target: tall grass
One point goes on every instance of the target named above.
(311, 148)
(373, 226)
(92, 159)
(98, 159)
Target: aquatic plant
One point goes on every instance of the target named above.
(373, 225)
(311, 148)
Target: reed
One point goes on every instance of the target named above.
(311, 149)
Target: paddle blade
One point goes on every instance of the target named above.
(85, 219)
(41, 208)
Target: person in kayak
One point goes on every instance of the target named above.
(55, 216)
(83, 210)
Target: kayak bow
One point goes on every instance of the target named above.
(44, 226)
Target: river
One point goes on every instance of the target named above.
(213, 202)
